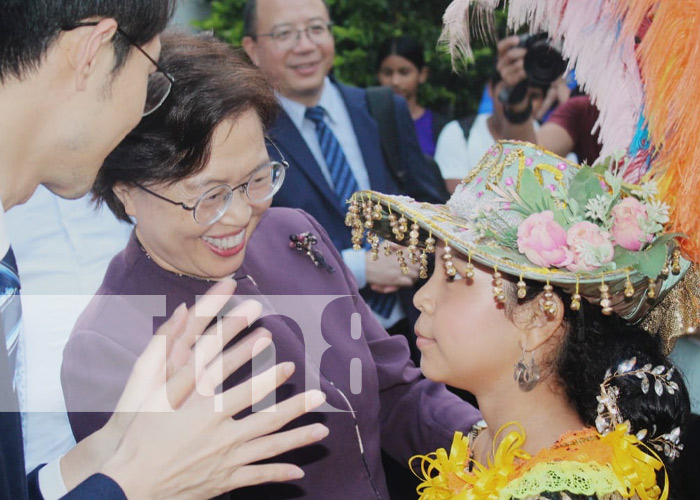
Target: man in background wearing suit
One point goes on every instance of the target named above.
(75, 77)
(331, 141)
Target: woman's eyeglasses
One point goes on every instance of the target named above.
(262, 185)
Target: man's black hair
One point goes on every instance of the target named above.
(250, 19)
(29, 27)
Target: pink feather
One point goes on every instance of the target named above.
(606, 65)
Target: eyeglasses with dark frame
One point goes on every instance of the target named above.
(262, 185)
(286, 37)
(160, 82)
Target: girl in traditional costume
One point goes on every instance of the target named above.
(555, 298)
(559, 289)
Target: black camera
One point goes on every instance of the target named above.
(543, 63)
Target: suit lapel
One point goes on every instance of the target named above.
(367, 134)
(292, 144)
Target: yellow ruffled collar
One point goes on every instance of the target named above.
(582, 462)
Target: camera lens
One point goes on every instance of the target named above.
(543, 63)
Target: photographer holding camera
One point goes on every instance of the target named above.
(529, 62)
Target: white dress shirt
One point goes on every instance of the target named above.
(62, 249)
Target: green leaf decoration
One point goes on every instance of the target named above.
(624, 258)
(584, 186)
(539, 199)
(665, 238)
(602, 166)
(652, 260)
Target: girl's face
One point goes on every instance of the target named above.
(465, 338)
(402, 76)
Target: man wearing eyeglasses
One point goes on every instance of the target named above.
(75, 77)
(331, 141)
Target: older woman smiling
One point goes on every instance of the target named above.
(197, 180)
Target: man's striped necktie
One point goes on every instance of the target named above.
(10, 307)
(344, 185)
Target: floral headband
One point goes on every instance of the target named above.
(658, 379)
(528, 213)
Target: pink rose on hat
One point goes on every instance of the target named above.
(543, 241)
(626, 230)
(590, 245)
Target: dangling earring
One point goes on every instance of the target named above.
(527, 375)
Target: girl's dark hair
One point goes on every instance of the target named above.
(214, 82)
(594, 343)
(403, 46)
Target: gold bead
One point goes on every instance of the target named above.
(651, 291)
(430, 244)
(447, 262)
(629, 289)
(423, 274)
(676, 262)
(470, 271)
(522, 289)
(550, 307)
(575, 302)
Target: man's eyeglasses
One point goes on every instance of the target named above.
(159, 82)
(286, 38)
(262, 185)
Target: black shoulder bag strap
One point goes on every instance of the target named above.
(466, 123)
(380, 101)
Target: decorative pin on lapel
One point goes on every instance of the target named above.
(304, 242)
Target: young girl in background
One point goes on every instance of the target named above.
(401, 66)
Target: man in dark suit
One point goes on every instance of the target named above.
(331, 141)
(73, 82)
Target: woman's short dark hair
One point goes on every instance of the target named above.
(214, 82)
(29, 27)
(404, 46)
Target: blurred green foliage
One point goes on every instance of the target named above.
(360, 26)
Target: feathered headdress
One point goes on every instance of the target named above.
(649, 89)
